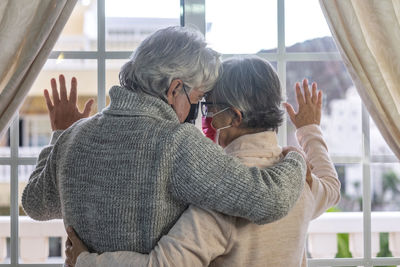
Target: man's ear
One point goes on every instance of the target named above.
(238, 118)
(174, 89)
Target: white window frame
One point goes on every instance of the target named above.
(193, 13)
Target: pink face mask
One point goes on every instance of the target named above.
(208, 130)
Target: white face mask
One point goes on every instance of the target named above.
(219, 130)
(217, 134)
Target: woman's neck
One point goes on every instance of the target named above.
(237, 132)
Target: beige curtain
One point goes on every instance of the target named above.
(367, 33)
(28, 31)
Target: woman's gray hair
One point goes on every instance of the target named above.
(251, 85)
(168, 54)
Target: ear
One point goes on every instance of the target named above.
(174, 89)
(238, 118)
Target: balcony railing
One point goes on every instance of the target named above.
(322, 233)
(322, 236)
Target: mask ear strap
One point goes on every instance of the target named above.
(225, 109)
(225, 127)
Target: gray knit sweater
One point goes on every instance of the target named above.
(124, 176)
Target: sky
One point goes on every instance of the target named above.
(237, 26)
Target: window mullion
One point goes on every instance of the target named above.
(101, 59)
(281, 27)
(14, 143)
(366, 187)
(282, 134)
(194, 14)
(281, 63)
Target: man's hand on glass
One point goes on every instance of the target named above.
(64, 111)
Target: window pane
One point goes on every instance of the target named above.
(385, 225)
(247, 28)
(130, 22)
(306, 28)
(341, 118)
(80, 32)
(4, 214)
(35, 128)
(5, 144)
(338, 232)
(378, 144)
(40, 242)
(350, 176)
(113, 67)
(385, 179)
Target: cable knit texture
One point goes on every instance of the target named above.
(124, 176)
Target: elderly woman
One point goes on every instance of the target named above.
(245, 111)
(123, 177)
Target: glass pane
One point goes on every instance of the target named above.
(4, 214)
(5, 144)
(350, 176)
(113, 67)
(275, 65)
(385, 178)
(338, 232)
(341, 118)
(238, 27)
(35, 128)
(385, 225)
(80, 32)
(306, 28)
(130, 22)
(40, 242)
(378, 144)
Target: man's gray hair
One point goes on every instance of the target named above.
(168, 54)
(251, 85)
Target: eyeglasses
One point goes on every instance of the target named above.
(210, 109)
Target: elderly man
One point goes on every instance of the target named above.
(123, 177)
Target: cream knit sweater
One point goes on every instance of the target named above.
(202, 237)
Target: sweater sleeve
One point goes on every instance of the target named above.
(41, 199)
(205, 176)
(198, 237)
(325, 183)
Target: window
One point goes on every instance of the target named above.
(293, 35)
(98, 38)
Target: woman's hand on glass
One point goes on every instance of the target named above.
(73, 247)
(64, 111)
(309, 103)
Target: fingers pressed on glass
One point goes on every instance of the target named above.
(319, 102)
(56, 98)
(63, 89)
(314, 95)
(290, 111)
(48, 100)
(306, 91)
(299, 95)
(73, 92)
(88, 107)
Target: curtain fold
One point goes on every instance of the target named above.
(28, 32)
(367, 33)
